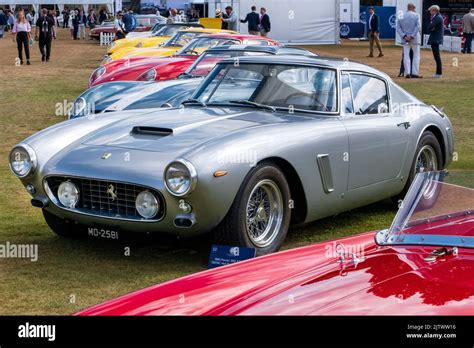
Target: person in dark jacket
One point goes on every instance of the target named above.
(436, 29)
(374, 32)
(253, 20)
(127, 21)
(3, 23)
(75, 24)
(102, 16)
(44, 34)
(65, 14)
(264, 22)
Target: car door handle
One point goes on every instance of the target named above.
(404, 124)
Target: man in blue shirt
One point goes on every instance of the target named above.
(127, 21)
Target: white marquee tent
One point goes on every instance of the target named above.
(59, 3)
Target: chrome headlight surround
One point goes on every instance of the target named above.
(189, 177)
(147, 205)
(97, 74)
(30, 159)
(68, 194)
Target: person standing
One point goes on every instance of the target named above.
(44, 34)
(127, 21)
(92, 20)
(468, 31)
(374, 32)
(75, 25)
(264, 24)
(29, 17)
(408, 27)
(231, 19)
(119, 26)
(102, 16)
(436, 29)
(22, 35)
(82, 20)
(253, 20)
(3, 23)
(10, 20)
(65, 14)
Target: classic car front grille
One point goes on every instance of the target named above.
(95, 197)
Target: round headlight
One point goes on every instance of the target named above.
(22, 160)
(149, 75)
(180, 177)
(146, 204)
(68, 194)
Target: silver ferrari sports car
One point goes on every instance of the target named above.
(265, 142)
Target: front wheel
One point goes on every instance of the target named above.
(260, 214)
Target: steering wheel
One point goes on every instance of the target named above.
(297, 94)
(192, 52)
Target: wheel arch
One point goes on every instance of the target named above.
(298, 195)
(439, 136)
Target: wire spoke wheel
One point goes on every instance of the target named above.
(264, 213)
(426, 160)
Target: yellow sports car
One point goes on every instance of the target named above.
(170, 47)
(153, 39)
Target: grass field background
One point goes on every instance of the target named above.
(73, 274)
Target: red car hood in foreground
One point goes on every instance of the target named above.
(167, 68)
(310, 281)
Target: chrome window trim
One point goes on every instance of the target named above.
(423, 240)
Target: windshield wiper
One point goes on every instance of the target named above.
(193, 101)
(255, 104)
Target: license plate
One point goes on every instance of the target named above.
(102, 233)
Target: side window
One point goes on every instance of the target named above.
(346, 95)
(370, 95)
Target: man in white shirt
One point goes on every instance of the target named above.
(408, 27)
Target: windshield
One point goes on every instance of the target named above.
(434, 212)
(199, 45)
(291, 87)
(168, 30)
(208, 60)
(181, 38)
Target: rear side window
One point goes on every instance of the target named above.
(257, 42)
(370, 95)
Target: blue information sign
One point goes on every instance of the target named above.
(223, 255)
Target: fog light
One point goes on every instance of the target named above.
(31, 189)
(68, 194)
(146, 204)
(185, 207)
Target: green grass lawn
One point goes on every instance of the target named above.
(73, 274)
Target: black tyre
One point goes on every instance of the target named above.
(428, 157)
(260, 214)
(63, 227)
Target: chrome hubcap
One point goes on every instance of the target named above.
(426, 160)
(264, 213)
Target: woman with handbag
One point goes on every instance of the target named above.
(22, 35)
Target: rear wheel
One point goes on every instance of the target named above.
(428, 157)
(260, 214)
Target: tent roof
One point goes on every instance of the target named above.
(55, 2)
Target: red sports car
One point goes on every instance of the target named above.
(167, 68)
(422, 265)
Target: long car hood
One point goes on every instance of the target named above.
(137, 68)
(310, 281)
(178, 129)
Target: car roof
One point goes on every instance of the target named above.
(231, 35)
(267, 49)
(329, 62)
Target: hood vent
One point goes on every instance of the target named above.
(156, 131)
